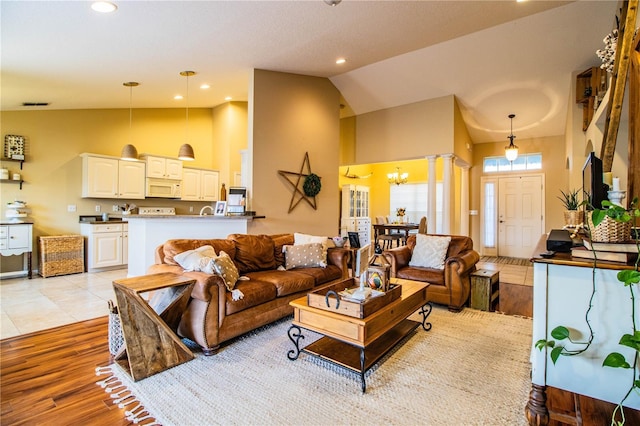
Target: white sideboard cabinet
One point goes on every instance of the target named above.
(17, 239)
(355, 212)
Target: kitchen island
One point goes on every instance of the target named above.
(146, 233)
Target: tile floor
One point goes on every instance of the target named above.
(42, 303)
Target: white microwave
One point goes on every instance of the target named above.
(163, 188)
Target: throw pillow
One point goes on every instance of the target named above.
(430, 251)
(304, 256)
(299, 239)
(223, 266)
(191, 260)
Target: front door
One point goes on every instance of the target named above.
(520, 219)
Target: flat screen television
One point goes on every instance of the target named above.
(593, 187)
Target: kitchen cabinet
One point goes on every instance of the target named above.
(107, 245)
(16, 239)
(162, 167)
(199, 184)
(110, 177)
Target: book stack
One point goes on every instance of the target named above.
(613, 252)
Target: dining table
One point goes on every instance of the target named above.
(386, 228)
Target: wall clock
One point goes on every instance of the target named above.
(14, 147)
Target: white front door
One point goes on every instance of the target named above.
(520, 218)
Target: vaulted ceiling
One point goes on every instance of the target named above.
(496, 57)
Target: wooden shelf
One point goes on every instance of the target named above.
(13, 159)
(591, 86)
(12, 181)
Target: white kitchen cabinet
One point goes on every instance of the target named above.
(163, 167)
(355, 212)
(110, 177)
(16, 239)
(107, 245)
(199, 184)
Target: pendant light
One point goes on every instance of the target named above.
(129, 152)
(186, 150)
(511, 151)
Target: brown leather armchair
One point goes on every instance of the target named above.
(449, 286)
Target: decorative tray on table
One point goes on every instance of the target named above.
(335, 298)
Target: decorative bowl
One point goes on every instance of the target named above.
(339, 241)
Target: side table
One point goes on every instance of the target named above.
(151, 345)
(485, 291)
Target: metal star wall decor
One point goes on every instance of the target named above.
(309, 182)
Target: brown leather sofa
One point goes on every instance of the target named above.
(450, 286)
(213, 317)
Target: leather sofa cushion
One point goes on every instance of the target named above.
(432, 276)
(255, 293)
(321, 275)
(285, 282)
(173, 247)
(253, 252)
(280, 241)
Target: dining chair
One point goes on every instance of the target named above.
(422, 226)
(386, 238)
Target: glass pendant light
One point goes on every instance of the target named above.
(511, 151)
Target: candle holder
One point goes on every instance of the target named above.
(616, 197)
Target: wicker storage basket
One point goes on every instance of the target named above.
(61, 255)
(609, 230)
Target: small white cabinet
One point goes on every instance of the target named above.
(199, 184)
(107, 245)
(16, 239)
(110, 177)
(162, 167)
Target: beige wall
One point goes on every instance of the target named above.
(292, 115)
(553, 167)
(229, 128)
(406, 132)
(53, 169)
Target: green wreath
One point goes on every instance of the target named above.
(311, 185)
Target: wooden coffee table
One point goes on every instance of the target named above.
(354, 343)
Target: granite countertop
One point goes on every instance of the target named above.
(194, 216)
(19, 221)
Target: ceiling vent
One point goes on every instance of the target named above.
(32, 104)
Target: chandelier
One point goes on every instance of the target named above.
(397, 177)
(511, 151)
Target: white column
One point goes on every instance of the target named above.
(464, 201)
(431, 201)
(447, 190)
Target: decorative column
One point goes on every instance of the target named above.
(447, 189)
(431, 194)
(464, 200)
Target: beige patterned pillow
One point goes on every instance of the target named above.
(226, 269)
(301, 239)
(304, 256)
(430, 251)
(191, 260)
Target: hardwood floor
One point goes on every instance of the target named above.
(48, 377)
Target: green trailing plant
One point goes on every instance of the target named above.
(628, 278)
(570, 199)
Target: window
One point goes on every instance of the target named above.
(523, 162)
(490, 215)
(414, 196)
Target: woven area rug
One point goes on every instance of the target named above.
(472, 368)
(506, 260)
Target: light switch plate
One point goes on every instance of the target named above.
(71, 208)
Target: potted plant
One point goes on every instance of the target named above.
(572, 216)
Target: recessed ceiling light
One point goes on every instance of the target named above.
(228, 98)
(341, 61)
(103, 6)
(205, 86)
(178, 97)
